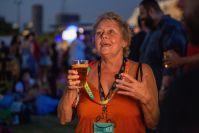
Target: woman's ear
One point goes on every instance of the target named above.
(124, 44)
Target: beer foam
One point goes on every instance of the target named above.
(80, 66)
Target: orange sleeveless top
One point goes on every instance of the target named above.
(122, 110)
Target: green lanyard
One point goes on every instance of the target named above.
(104, 101)
(90, 94)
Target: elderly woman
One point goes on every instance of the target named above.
(123, 94)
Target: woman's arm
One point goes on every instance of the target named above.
(145, 92)
(65, 107)
(150, 104)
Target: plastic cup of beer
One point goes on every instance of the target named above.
(81, 67)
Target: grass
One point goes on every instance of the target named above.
(44, 124)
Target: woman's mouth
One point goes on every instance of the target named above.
(105, 45)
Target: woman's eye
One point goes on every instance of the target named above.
(98, 33)
(110, 31)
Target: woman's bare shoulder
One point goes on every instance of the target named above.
(134, 65)
(93, 70)
(93, 65)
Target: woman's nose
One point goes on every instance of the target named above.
(104, 35)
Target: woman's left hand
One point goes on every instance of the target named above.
(129, 86)
(145, 92)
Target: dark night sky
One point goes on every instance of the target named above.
(87, 9)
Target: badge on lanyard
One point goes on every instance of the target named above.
(100, 127)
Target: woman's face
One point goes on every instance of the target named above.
(109, 39)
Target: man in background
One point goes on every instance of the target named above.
(165, 34)
(137, 40)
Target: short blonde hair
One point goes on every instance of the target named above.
(126, 33)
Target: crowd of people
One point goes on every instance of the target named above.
(33, 74)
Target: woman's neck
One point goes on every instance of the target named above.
(112, 64)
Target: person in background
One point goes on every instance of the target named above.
(76, 50)
(15, 46)
(180, 107)
(4, 59)
(35, 51)
(165, 34)
(26, 54)
(120, 99)
(137, 41)
(45, 62)
(90, 50)
(191, 21)
(23, 99)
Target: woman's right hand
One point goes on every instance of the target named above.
(73, 80)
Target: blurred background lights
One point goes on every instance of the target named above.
(70, 33)
(25, 32)
(81, 30)
(57, 38)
